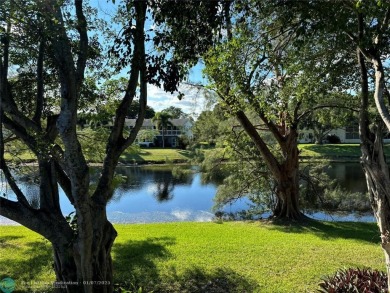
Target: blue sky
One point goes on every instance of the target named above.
(193, 102)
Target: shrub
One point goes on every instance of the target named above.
(333, 138)
(355, 280)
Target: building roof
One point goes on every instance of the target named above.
(149, 122)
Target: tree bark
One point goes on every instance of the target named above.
(287, 182)
(68, 265)
(374, 165)
(378, 183)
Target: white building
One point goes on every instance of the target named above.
(172, 133)
(349, 134)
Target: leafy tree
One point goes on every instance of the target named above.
(147, 134)
(132, 113)
(53, 42)
(270, 83)
(175, 112)
(362, 28)
(162, 121)
(210, 126)
(259, 65)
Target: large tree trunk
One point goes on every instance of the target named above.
(287, 197)
(68, 261)
(286, 173)
(287, 182)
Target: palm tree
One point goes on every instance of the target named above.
(161, 119)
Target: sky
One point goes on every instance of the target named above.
(193, 102)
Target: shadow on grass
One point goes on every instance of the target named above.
(367, 232)
(37, 259)
(4, 241)
(135, 269)
(186, 154)
(131, 158)
(136, 259)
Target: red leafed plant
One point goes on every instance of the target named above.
(355, 280)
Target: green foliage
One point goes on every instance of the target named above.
(72, 220)
(175, 112)
(240, 172)
(162, 120)
(353, 280)
(93, 143)
(147, 134)
(211, 126)
(134, 109)
(184, 141)
(319, 192)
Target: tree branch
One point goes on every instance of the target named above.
(21, 133)
(40, 87)
(43, 223)
(83, 43)
(311, 110)
(267, 155)
(64, 182)
(116, 142)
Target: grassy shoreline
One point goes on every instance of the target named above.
(170, 256)
(330, 152)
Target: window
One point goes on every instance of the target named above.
(352, 132)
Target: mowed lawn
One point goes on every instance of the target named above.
(154, 155)
(242, 256)
(333, 150)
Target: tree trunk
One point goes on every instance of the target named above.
(163, 138)
(287, 198)
(68, 261)
(287, 182)
(378, 183)
(373, 161)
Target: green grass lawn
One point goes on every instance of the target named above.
(153, 155)
(333, 150)
(175, 257)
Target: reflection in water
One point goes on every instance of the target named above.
(153, 194)
(164, 190)
(349, 175)
(157, 179)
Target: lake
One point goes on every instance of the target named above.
(153, 194)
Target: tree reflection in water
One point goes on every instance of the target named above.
(164, 189)
(159, 178)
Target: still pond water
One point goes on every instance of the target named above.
(153, 194)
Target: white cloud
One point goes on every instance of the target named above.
(192, 103)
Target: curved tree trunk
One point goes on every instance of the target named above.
(374, 163)
(378, 183)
